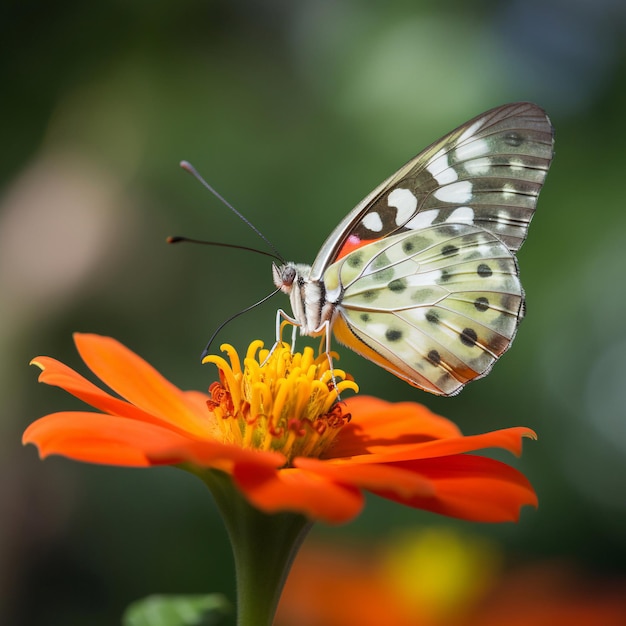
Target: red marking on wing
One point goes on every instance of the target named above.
(352, 243)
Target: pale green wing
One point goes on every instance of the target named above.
(436, 307)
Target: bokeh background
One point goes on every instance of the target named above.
(294, 111)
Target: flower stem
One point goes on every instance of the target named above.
(264, 547)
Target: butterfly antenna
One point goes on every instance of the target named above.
(188, 167)
(178, 239)
(231, 318)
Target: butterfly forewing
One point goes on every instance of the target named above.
(487, 172)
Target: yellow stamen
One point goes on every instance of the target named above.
(280, 400)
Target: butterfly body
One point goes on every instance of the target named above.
(421, 276)
(312, 311)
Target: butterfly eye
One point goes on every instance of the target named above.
(288, 275)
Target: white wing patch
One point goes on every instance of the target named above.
(478, 167)
(373, 222)
(462, 215)
(405, 202)
(440, 168)
(422, 220)
(455, 193)
(472, 149)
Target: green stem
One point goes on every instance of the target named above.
(264, 547)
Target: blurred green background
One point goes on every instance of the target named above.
(294, 111)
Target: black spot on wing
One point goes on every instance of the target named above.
(484, 271)
(393, 334)
(468, 337)
(408, 246)
(398, 285)
(432, 316)
(446, 275)
(355, 259)
(434, 357)
(481, 304)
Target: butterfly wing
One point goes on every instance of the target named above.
(435, 307)
(488, 172)
(423, 271)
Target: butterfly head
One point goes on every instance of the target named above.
(288, 274)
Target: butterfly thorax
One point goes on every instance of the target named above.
(309, 305)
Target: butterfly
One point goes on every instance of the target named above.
(421, 276)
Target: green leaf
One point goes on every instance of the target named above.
(184, 610)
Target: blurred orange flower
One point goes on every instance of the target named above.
(276, 427)
(437, 577)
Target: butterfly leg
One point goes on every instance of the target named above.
(280, 316)
(294, 330)
(324, 331)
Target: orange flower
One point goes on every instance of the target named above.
(275, 426)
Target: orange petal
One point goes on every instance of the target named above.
(509, 439)
(112, 440)
(225, 456)
(137, 381)
(98, 438)
(470, 487)
(58, 374)
(379, 426)
(298, 491)
(198, 399)
(405, 482)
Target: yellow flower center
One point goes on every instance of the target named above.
(280, 401)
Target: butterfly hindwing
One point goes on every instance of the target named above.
(435, 307)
